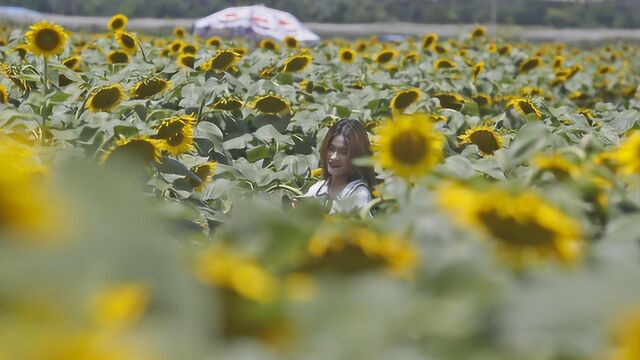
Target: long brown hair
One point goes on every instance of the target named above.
(358, 144)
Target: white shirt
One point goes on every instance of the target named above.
(355, 195)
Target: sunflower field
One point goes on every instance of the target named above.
(146, 191)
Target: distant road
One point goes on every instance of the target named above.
(354, 30)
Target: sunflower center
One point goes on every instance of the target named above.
(222, 60)
(526, 107)
(347, 55)
(385, 57)
(269, 45)
(405, 99)
(128, 41)
(119, 57)
(296, 64)
(530, 64)
(188, 61)
(515, 233)
(485, 140)
(136, 150)
(271, 104)
(150, 87)
(117, 23)
(106, 98)
(449, 102)
(170, 129)
(3, 98)
(408, 147)
(47, 39)
(175, 139)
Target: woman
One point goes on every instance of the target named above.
(344, 187)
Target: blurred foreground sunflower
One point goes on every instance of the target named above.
(523, 227)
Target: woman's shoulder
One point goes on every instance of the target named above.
(358, 186)
(315, 188)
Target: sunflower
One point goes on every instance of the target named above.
(440, 49)
(444, 64)
(72, 62)
(346, 55)
(478, 32)
(484, 137)
(127, 42)
(403, 99)
(529, 91)
(105, 98)
(290, 42)
(117, 22)
(530, 64)
(558, 61)
(205, 172)
(147, 88)
(451, 100)
(483, 100)
(429, 40)
(626, 156)
(411, 57)
(556, 164)
(189, 49)
(268, 44)
(176, 134)
(179, 32)
(408, 145)
(21, 50)
(385, 56)
(297, 63)
(523, 227)
(491, 48)
(627, 342)
(504, 50)
(222, 60)
(214, 41)
(525, 107)
(176, 46)
(477, 70)
(4, 94)
(271, 104)
(227, 104)
(118, 57)
(137, 149)
(186, 60)
(46, 39)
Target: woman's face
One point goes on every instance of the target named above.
(338, 160)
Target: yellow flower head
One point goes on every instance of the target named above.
(403, 99)
(523, 227)
(117, 22)
(105, 98)
(411, 57)
(385, 56)
(444, 64)
(525, 107)
(72, 62)
(477, 70)
(478, 32)
(530, 64)
(175, 134)
(227, 104)
(268, 44)
(271, 104)
(627, 342)
(556, 164)
(46, 39)
(451, 100)
(186, 60)
(118, 57)
(120, 306)
(483, 100)
(138, 149)
(150, 87)
(429, 40)
(408, 145)
(484, 137)
(4, 94)
(179, 32)
(297, 63)
(346, 55)
(290, 42)
(214, 41)
(222, 60)
(21, 50)
(127, 42)
(626, 156)
(189, 49)
(205, 172)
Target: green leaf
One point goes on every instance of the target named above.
(268, 133)
(258, 152)
(207, 130)
(531, 138)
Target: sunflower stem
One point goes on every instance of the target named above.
(44, 77)
(43, 109)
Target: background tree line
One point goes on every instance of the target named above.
(604, 13)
